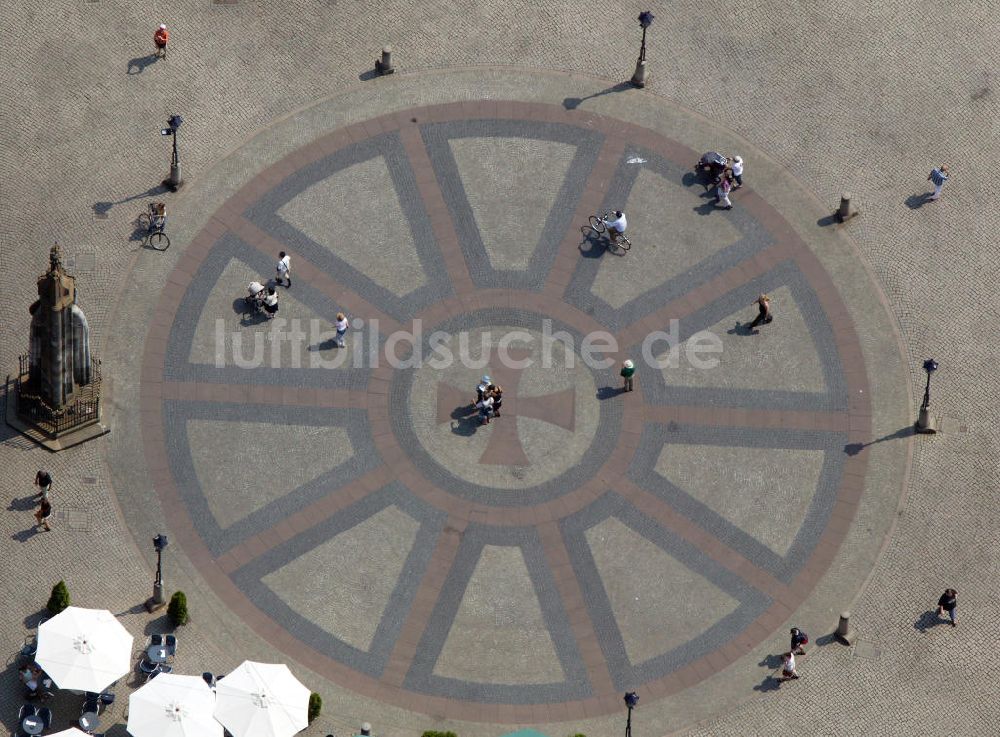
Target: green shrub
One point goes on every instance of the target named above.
(578, 734)
(178, 609)
(59, 599)
(431, 733)
(315, 706)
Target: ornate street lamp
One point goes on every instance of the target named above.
(639, 78)
(925, 423)
(158, 600)
(631, 701)
(174, 181)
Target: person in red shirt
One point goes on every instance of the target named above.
(160, 38)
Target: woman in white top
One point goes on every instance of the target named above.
(341, 326)
(271, 302)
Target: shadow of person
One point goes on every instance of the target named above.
(771, 662)
(139, 64)
(916, 201)
(24, 504)
(770, 683)
(706, 208)
(609, 392)
(464, 412)
(742, 328)
(24, 535)
(466, 426)
(596, 245)
(326, 345)
(927, 620)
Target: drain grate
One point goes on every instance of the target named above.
(74, 519)
(867, 650)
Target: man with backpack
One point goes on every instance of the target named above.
(799, 639)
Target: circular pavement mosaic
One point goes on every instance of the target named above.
(347, 503)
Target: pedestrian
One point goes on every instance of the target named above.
(341, 326)
(160, 38)
(738, 171)
(764, 316)
(271, 303)
(43, 480)
(484, 384)
(496, 392)
(283, 270)
(938, 176)
(485, 406)
(722, 193)
(788, 667)
(627, 374)
(799, 638)
(43, 513)
(947, 603)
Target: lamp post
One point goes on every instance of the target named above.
(639, 78)
(925, 423)
(631, 701)
(174, 181)
(158, 600)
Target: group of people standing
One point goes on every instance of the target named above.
(489, 398)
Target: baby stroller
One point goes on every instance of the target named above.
(253, 303)
(710, 168)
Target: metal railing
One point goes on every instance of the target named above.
(85, 409)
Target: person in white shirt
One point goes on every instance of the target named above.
(617, 225)
(341, 326)
(485, 406)
(284, 269)
(738, 171)
(788, 667)
(271, 302)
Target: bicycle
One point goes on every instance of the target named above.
(153, 223)
(600, 226)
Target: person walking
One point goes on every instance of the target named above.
(484, 385)
(764, 315)
(160, 38)
(788, 667)
(43, 480)
(947, 603)
(938, 176)
(799, 639)
(485, 407)
(495, 391)
(737, 168)
(283, 271)
(722, 193)
(341, 326)
(627, 374)
(43, 514)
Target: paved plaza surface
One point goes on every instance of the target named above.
(349, 516)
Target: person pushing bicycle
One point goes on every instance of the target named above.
(617, 226)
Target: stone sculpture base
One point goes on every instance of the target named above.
(62, 441)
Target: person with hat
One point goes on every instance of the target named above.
(160, 38)
(484, 384)
(627, 374)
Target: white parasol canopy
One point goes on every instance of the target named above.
(173, 706)
(262, 700)
(84, 649)
(71, 732)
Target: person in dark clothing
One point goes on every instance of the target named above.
(496, 391)
(43, 514)
(43, 480)
(763, 303)
(799, 638)
(947, 603)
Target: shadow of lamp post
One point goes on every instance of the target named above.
(640, 76)
(925, 422)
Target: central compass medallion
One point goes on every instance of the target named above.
(542, 443)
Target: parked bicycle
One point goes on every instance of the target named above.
(153, 224)
(599, 224)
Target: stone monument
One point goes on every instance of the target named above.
(56, 398)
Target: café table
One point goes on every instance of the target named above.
(32, 724)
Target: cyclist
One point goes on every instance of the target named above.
(158, 217)
(617, 226)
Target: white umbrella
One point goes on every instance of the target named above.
(84, 649)
(173, 706)
(71, 732)
(262, 700)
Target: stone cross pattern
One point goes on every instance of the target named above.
(504, 447)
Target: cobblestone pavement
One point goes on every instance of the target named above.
(867, 109)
